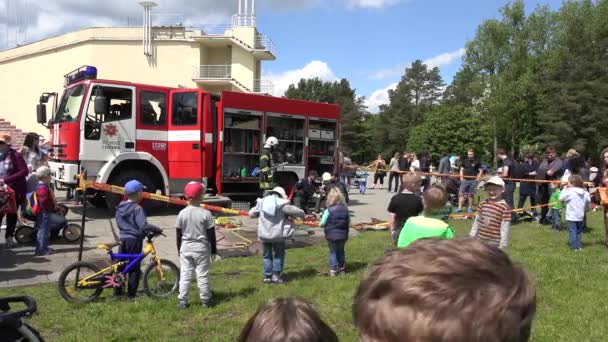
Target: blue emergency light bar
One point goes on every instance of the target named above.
(85, 72)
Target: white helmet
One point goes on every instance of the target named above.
(326, 177)
(271, 142)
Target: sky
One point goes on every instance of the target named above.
(369, 42)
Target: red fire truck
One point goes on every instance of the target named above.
(166, 137)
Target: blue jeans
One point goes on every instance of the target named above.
(42, 238)
(362, 186)
(555, 215)
(274, 257)
(337, 259)
(575, 230)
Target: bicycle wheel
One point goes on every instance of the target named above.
(25, 235)
(72, 232)
(161, 288)
(67, 283)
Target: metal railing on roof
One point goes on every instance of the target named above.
(261, 86)
(264, 43)
(247, 20)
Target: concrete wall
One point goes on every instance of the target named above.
(243, 67)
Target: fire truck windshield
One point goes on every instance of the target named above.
(70, 104)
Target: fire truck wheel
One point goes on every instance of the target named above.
(98, 200)
(112, 200)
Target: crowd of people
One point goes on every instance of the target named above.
(26, 173)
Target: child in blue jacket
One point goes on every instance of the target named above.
(133, 227)
(336, 222)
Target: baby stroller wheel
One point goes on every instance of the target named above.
(72, 232)
(25, 234)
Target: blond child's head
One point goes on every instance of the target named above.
(434, 199)
(576, 181)
(44, 174)
(287, 319)
(411, 182)
(335, 197)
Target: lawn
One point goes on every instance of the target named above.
(572, 290)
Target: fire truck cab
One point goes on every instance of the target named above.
(166, 137)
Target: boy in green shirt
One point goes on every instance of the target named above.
(555, 208)
(427, 225)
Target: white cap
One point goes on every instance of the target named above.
(496, 181)
(43, 171)
(326, 177)
(280, 191)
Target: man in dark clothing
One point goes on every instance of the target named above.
(470, 172)
(528, 189)
(507, 172)
(304, 190)
(551, 168)
(330, 182)
(133, 227)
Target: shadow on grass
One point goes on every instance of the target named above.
(223, 297)
(301, 274)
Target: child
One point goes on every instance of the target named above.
(133, 227)
(286, 319)
(273, 228)
(577, 202)
(555, 208)
(404, 205)
(427, 225)
(493, 221)
(445, 290)
(47, 206)
(361, 177)
(336, 221)
(195, 242)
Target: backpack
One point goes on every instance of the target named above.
(519, 170)
(32, 207)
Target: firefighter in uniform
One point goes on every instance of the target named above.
(266, 182)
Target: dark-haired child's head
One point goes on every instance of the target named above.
(286, 319)
(445, 290)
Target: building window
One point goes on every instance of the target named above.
(153, 108)
(185, 109)
(117, 106)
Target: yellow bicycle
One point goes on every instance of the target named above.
(84, 281)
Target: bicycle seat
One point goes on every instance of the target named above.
(108, 246)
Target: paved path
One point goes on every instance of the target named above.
(19, 266)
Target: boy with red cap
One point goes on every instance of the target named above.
(195, 242)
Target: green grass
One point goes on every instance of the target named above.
(572, 290)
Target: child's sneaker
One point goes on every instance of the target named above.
(209, 303)
(267, 280)
(276, 279)
(182, 305)
(342, 269)
(333, 273)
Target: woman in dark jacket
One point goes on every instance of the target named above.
(13, 172)
(599, 182)
(336, 221)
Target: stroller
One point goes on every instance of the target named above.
(361, 181)
(12, 326)
(26, 233)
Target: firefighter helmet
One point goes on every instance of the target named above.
(271, 142)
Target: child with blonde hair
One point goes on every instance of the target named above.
(577, 201)
(336, 221)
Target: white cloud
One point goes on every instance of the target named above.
(313, 69)
(379, 97)
(371, 3)
(445, 58)
(436, 61)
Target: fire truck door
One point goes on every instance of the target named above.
(107, 127)
(184, 136)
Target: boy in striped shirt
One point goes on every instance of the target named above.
(493, 221)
